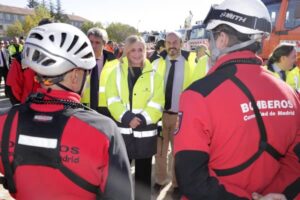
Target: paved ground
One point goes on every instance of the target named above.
(4, 102)
(4, 195)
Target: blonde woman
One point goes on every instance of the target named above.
(135, 99)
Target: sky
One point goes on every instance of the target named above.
(145, 15)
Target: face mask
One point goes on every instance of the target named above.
(216, 53)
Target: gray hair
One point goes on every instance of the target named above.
(98, 32)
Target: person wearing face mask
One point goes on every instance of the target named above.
(52, 146)
(282, 64)
(135, 99)
(239, 130)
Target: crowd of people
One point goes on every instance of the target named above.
(218, 122)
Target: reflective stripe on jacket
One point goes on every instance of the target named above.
(148, 96)
(108, 67)
(147, 102)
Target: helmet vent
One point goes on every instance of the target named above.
(63, 39)
(59, 48)
(75, 39)
(89, 55)
(48, 62)
(36, 36)
(38, 56)
(27, 52)
(81, 48)
(51, 37)
(35, 55)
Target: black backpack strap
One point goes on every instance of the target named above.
(79, 181)
(263, 146)
(8, 180)
(74, 177)
(258, 117)
(209, 83)
(263, 143)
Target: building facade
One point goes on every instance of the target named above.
(10, 14)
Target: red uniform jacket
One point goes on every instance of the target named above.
(219, 130)
(90, 146)
(21, 81)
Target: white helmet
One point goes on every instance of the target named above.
(247, 17)
(53, 49)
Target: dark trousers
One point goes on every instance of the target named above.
(3, 73)
(143, 178)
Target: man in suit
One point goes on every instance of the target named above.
(94, 93)
(4, 61)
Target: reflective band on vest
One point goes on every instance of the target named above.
(138, 134)
(118, 81)
(101, 89)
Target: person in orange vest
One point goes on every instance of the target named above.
(110, 46)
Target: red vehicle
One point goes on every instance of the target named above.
(285, 16)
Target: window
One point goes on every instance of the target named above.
(273, 16)
(291, 20)
(198, 33)
(7, 17)
(15, 17)
(1, 16)
(273, 10)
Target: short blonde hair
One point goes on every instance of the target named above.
(132, 39)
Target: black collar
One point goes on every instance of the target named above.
(184, 53)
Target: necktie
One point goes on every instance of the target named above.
(169, 86)
(283, 75)
(3, 60)
(94, 88)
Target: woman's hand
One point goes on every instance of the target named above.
(135, 122)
